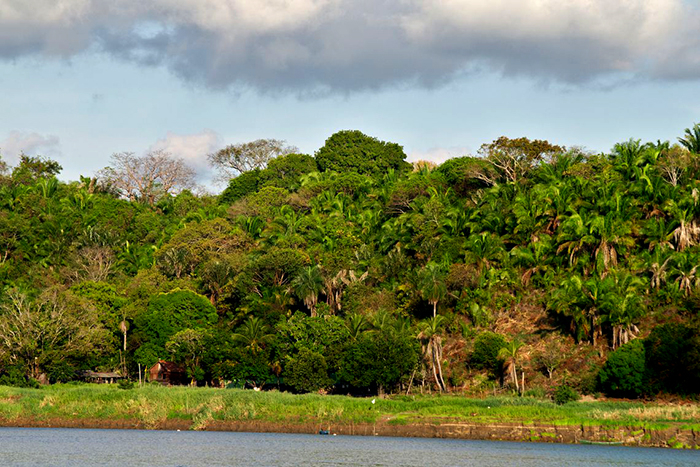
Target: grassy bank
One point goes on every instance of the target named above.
(152, 405)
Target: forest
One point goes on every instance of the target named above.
(527, 268)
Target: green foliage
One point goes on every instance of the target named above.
(564, 394)
(125, 384)
(241, 186)
(623, 375)
(607, 243)
(462, 174)
(379, 360)
(307, 372)
(286, 171)
(31, 169)
(264, 201)
(354, 151)
(166, 315)
(485, 355)
(673, 359)
(16, 376)
(325, 335)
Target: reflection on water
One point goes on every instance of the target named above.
(73, 447)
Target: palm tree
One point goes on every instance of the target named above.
(253, 334)
(658, 266)
(687, 233)
(533, 258)
(483, 249)
(432, 348)
(432, 284)
(692, 139)
(613, 237)
(357, 324)
(215, 275)
(685, 268)
(621, 305)
(509, 353)
(308, 285)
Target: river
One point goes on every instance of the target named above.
(82, 448)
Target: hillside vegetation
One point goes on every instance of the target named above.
(532, 269)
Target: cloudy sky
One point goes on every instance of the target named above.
(82, 79)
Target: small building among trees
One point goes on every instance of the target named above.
(102, 377)
(168, 373)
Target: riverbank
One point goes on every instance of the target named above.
(510, 419)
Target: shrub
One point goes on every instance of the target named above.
(673, 359)
(485, 354)
(15, 376)
(125, 384)
(379, 360)
(623, 375)
(564, 394)
(307, 372)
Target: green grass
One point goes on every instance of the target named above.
(154, 404)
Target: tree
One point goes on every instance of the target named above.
(307, 285)
(487, 346)
(432, 284)
(166, 315)
(253, 334)
(286, 171)
(691, 141)
(514, 158)
(432, 350)
(352, 150)
(672, 354)
(379, 360)
(673, 163)
(31, 169)
(240, 158)
(147, 178)
(241, 186)
(623, 375)
(509, 353)
(38, 333)
(188, 346)
(307, 372)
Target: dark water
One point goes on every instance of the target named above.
(73, 448)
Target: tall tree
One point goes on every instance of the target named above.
(432, 348)
(514, 158)
(432, 284)
(356, 152)
(147, 178)
(240, 158)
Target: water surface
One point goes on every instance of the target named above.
(81, 448)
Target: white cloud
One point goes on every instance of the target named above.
(438, 155)
(31, 144)
(346, 45)
(193, 149)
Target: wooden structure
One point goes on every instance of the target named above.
(168, 373)
(102, 377)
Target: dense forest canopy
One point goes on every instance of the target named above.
(528, 267)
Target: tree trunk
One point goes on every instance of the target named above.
(437, 356)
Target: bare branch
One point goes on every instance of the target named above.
(236, 159)
(147, 178)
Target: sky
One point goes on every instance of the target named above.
(83, 79)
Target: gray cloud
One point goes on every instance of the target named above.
(312, 46)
